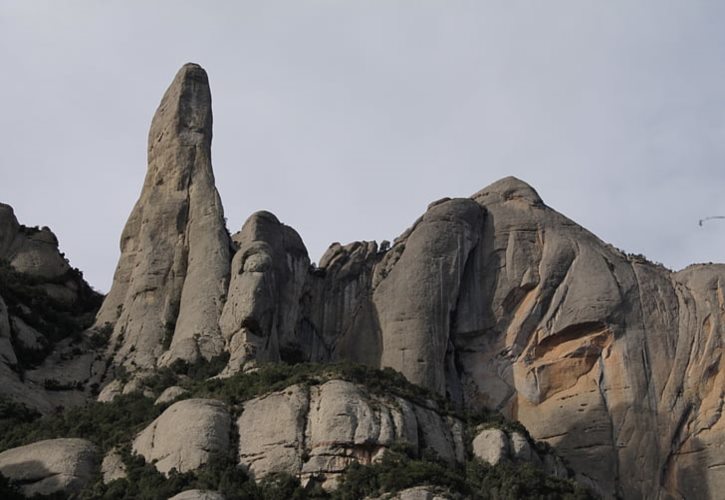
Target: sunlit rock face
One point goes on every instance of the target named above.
(611, 359)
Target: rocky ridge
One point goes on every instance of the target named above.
(496, 302)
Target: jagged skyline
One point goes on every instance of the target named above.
(346, 120)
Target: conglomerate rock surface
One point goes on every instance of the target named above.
(318, 431)
(170, 284)
(51, 466)
(495, 301)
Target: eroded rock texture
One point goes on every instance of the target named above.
(500, 302)
(268, 276)
(170, 284)
(51, 466)
(496, 301)
(44, 306)
(318, 431)
(185, 435)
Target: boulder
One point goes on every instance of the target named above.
(51, 466)
(198, 495)
(112, 467)
(491, 446)
(185, 435)
(419, 493)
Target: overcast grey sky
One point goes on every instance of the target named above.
(347, 118)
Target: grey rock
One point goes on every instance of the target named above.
(272, 432)
(419, 493)
(417, 291)
(317, 432)
(185, 435)
(198, 495)
(269, 272)
(171, 279)
(7, 353)
(521, 448)
(27, 337)
(112, 467)
(54, 465)
(591, 349)
(169, 394)
(492, 446)
(29, 250)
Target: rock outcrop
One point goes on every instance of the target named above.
(495, 301)
(268, 276)
(112, 466)
(198, 495)
(45, 304)
(51, 466)
(495, 446)
(419, 493)
(185, 435)
(171, 281)
(318, 431)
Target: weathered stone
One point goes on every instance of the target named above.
(170, 283)
(169, 394)
(269, 272)
(54, 465)
(31, 251)
(417, 291)
(342, 309)
(317, 432)
(419, 493)
(27, 337)
(185, 435)
(112, 467)
(7, 353)
(521, 448)
(198, 495)
(591, 349)
(491, 446)
(272, 432)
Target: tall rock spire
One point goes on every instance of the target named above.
(170, 283)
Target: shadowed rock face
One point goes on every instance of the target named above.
(51, 466)
(170, 284)
(496, 301)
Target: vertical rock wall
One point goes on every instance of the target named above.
(170, 284)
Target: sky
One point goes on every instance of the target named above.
(347, 118)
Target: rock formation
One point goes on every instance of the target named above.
(317, 432)
(170, 284)
(45, 304)
(495, 302)
(51, 466)
(185, 435)
(268, 274)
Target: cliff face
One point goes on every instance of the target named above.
(494, 301)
